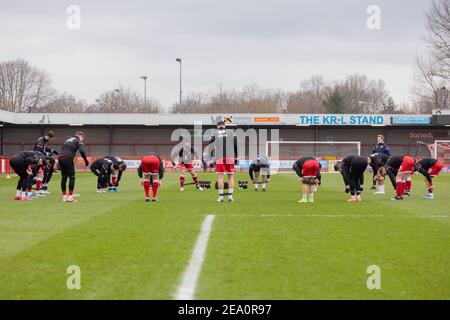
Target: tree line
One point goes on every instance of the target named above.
(26, 88)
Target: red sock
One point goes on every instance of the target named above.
(182, 181)
(38, 185)
(155, 186)
(408, 185)
(430, 187)
(114, 181)
(403, 187)
(63, 193)
(70, 192)
(399, 188)
(29, 190)
(147, 188)
(195, 178)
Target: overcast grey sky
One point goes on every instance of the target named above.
(271, 43)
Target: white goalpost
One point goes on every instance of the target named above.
(282, 154)
(441, 150)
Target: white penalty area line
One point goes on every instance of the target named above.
(186, 289)
(333, 216)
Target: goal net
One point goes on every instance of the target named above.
(440, 150)
(283, 154)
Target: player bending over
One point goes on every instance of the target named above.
(399, 170)
(376, 161)
(115, 174)
(44, 176)
(67, 165)
(260, 166)
(225, 152)
(183, 160)
(101, 168)
(151, 170)
(429, 168)
(21, 164)
(352, 169)
(308, 169)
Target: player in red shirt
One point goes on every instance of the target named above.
(399, 169)
(151, 171)
(183, 158)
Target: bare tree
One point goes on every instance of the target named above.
(309, 98)
(438, 37)
(63, 103)
(123, 100)
(23, 87)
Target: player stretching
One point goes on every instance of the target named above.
(44, 176)
(151, 170)
(184, 160)
(352, 169)
(101, 168)
(115, 174)
(429, 168)
(376, 161)
(21, 163)
(67, 165)
(399, 170)
(308, 169)
(260, 166)
(225, 152)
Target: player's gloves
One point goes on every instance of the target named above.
(86, 162)
(347, 189)
(236, 161)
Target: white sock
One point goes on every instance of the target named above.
(263, 185)
(23, 194)
(381, 188)
(18, 192)
(311, 196)
(256, 185)
(305, 196)
(220, 193)
(230, 191)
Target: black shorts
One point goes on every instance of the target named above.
(358, 167)
(66, 165)
(19, 166)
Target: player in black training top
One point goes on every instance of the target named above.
(22, 163)
(67, 165)
(45, 175)
(101, 168)
(115, 174)
(376, 161)
(352, 169)
(429, 168)
(225, 153)
(308, 169)
(399, 169)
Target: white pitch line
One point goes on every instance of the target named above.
(186, 290)
(333, 215)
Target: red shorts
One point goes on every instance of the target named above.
(187, 166)
(310, 168)
(150, 164)
(407, 165)
(436, 169)
(225, 165)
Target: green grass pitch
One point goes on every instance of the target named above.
(262, 246)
